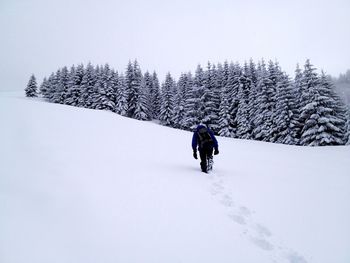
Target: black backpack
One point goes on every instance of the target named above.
(204, 137)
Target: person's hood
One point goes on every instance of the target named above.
(200, 126)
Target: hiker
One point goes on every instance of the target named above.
(204, 139)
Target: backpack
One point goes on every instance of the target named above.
(204, 137)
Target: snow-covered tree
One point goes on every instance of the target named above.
(242, 117)
(55, 87)
(44, 88)
(87, 87)
(167, 103)
(284, 114)
(330, 114)
(231, 93)
(263, 116)
(63, 84)
(225, 116)
(192, 103)
(252, 73)
(106, 92)
(142, 111)
(180, 100)
(148, 87)
(225, 73)
(297, 100)
(32, 89)
(308, 82)
(308, 104)
(50, 87)
(133, 78)
(155, 96)
(73, 92)
(220, 79)
(208, 102)
(121, 103)
(190, 117)
(98, 89)
(200, 90)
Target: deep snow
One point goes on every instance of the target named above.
(79, 185)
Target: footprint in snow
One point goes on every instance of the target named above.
(262, 231)
(245, 211)
(237, 219)
(242, 217)
(262, 243)
(216, 188)
(294, 257)
(227, 201)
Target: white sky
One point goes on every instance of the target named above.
(39, 36)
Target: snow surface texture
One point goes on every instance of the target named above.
(81, 185)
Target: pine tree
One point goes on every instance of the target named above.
(253, 72)
(31, 89)
(147, 79)
(50, 87)
(225, 116)
(263, 116)
(225, 74)
(308, 114)
(331, 122)
(63, 82)
(276, 76)
(180, 100)
(191, 101)
(155, 96)
(74, 91)
(167, 104)
(284, 115)
(296, 128)
(87, 87)
(242, 117)
(44, 88)
(55, 87)
(231, 93)
(98, 89)
(121, 96)
(200, 90)
(133, 82)
(220, 82)
(208, 101)
(308, 83)
(107, 98)
(142, 111)
(216, 84)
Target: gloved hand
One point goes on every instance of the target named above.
(216, 152)
(195, 155)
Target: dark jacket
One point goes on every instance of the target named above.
(195, 139)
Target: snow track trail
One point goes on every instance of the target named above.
(255, 232)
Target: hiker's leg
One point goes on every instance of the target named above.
(203, 156)
(209, 151)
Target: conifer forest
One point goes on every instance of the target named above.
(254, 101)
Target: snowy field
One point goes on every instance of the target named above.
(89, 186)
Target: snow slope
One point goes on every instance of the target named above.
(80, 185)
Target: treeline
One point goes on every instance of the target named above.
(253, 101)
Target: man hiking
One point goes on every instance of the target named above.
(204, 139)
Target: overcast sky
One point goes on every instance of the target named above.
(39, 36)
